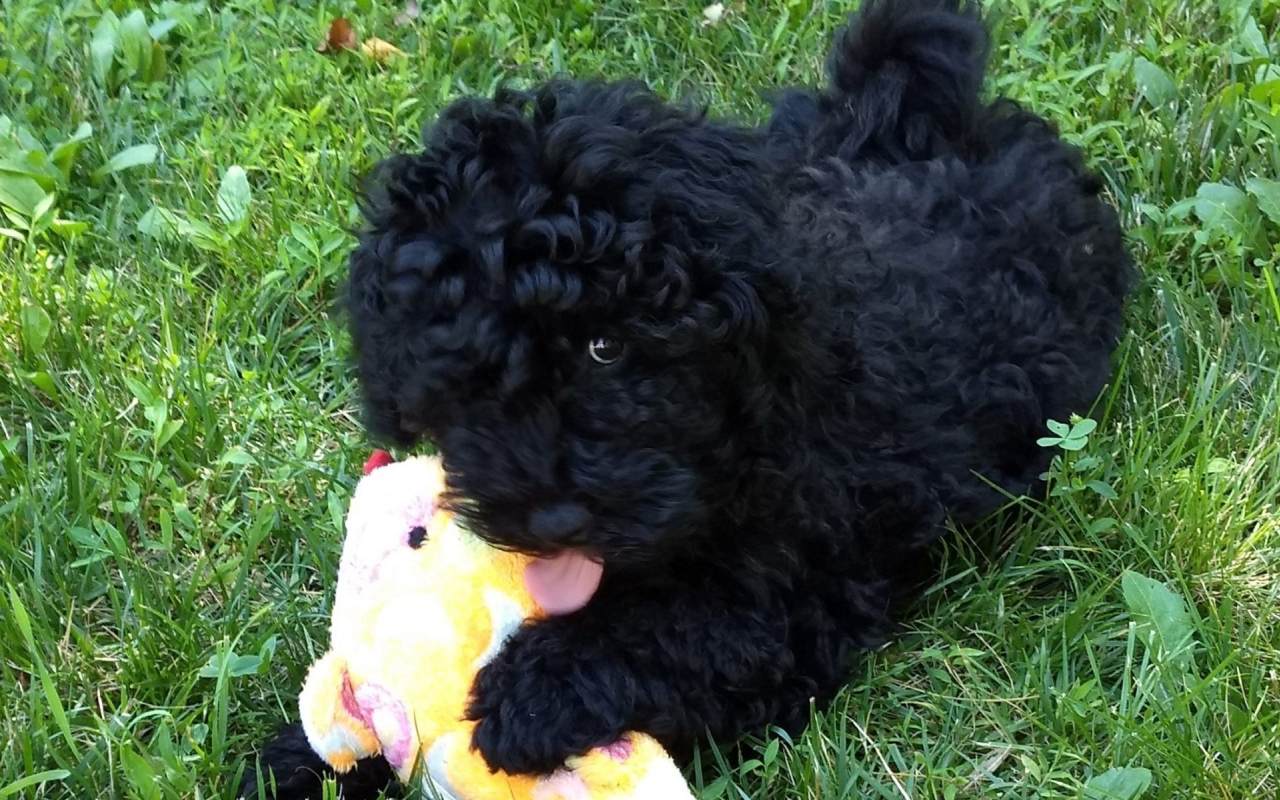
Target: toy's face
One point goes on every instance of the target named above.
(421, 606)
(391, 514)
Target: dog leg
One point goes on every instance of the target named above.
(675, 668)
(291, 770)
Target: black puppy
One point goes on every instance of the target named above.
(752, 371)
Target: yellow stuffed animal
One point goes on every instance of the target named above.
(421, 606)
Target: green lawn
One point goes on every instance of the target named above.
(178, 434)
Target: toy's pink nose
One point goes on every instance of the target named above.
(561, 522)
(381, 712)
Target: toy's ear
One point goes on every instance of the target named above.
(378, 458)
(336, 734)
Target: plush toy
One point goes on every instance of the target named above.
(421, 605)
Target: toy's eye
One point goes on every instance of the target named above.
(604, 350)
(417, 536)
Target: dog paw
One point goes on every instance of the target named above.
(534, 707)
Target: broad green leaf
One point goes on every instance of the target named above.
(145, 395)
(771, 751)
(157, 223)
(43, 210)
(69, 227)
(18, 133)
(1220, 466)
(161, 27)
(102, 49)
(84, 538)
(212, 668)
(158, 416)
(234, 197)
(244, 665)
(1102, 525)
(35, 165)
(337, 509)
(140, 774)
(136, 156)
(200, 234)
(1164, 623)
(185, 14)
(1119, 783)
(1060, 428)
(1253, 39)
(268, 648)
(1267, 93)
(236, 666)
(1221, 206)
(20, 163)
(715, 789)
(43, 381)
(1103, 489)
(135, 43)
(157, 412)
(158, 66)
(199, 732)
(319, 109)
(1181, 210)
(1083, 428)
(1267, 193)
(36, 326)
(166, 432)
(64, 155)
(161, 223)
(238, 456)
(111, 536)
(20, 193)
(271, 277)
(1153, 82)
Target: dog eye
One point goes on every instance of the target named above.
(417, 536)
(604, 350)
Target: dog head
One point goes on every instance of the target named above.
(574, 295)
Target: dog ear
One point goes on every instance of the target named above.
(475, 145)
(742, 310)
(775, 353)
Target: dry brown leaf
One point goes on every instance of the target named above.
(380, 50)
(342, 36)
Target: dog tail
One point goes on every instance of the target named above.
(905, 78)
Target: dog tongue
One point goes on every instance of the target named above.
(563, 583)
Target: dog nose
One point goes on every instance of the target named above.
(559, 522)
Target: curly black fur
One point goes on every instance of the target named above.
(290, 769)
(838, 331)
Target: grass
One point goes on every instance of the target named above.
(177, 433)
